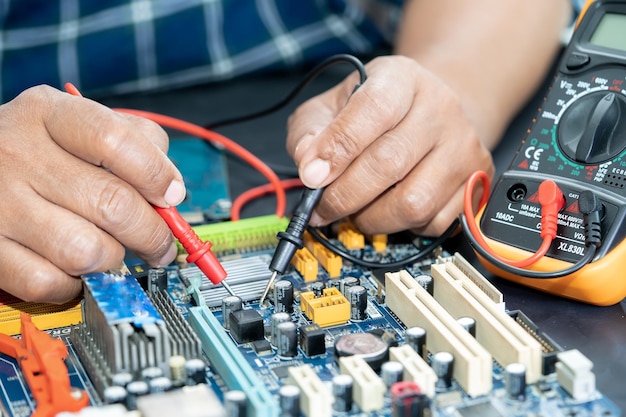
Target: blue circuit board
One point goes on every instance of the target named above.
(203, 167)
(261, 372)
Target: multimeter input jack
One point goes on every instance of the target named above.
(516, 193)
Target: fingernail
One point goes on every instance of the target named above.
(315, 173)
(169, 255)
(175, 193)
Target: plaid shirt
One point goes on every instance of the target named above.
(120, 46)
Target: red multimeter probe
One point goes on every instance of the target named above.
(578, 141)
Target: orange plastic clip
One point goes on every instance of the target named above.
(41, 359)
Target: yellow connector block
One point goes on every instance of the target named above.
(306, 264)
(379, 242)
(350, 237)
(44, 316)
(330, 309)
(331, 262)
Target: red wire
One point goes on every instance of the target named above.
(469, 213)
(251, 194)
(243, 153)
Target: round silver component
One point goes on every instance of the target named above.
(236, 403)
(275, 320)
(416, 338)
(287, 339)
(515, 381)
(391, 372)
(443, 364)
(283, 296)
(289, 401)
(342, 391)
(230, 304)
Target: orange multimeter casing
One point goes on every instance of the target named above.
(578, 140)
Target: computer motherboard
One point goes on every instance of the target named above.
(332, 339)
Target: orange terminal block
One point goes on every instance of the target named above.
(41, 359)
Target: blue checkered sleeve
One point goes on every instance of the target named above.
(121, 46)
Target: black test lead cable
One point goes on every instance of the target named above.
(290, 240)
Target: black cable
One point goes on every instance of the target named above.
(310, 76)
(401, 263)
(591, 208)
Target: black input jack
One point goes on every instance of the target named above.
(516, 193)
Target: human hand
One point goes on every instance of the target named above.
(394, 156)
(78, 179)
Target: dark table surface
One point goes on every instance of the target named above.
(598, 332)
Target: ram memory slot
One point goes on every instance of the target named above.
(230, 364)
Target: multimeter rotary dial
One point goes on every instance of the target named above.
(592, 128)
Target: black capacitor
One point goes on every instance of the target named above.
(357, 295)
(416, 338)
(160, 384)
(468, 324)
(347, 283)
(135, 389)
(275, 320)
(289, 401)
(236, 403)
(283, 296)
(195, 369)
(334, 283)
(151, 372)
(407, 400)
(515, 381)
(287, 340)
(391, 372)
(114, 395)
(121, 379)
(443, 365)
(426, 281)
(230, 304)
(317, 288)
(157, 280)
(342, 391)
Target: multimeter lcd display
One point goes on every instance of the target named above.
(611, 32)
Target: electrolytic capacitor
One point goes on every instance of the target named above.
(275, 320)
(515, 381)
(157, 280)
(236, 403)
(230, 304)
(357, 295)
(391, 372)
(334, 283)
(195, 369)
(416, 338)
(283, 296)
(289, 401)
(342, 391)
(317, 288)
(287, 339)
(426, 281)
(121, 379)
(443, 364)
(160, 384)
(151, 372)
(114, 395)
(177, 370)
(135, 389)
(348, 282)
(468, 324)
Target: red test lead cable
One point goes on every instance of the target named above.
(199, 252)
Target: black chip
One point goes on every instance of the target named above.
(281, 372)
(246, 326)
(262, 347)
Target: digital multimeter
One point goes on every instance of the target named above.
(577, 140)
